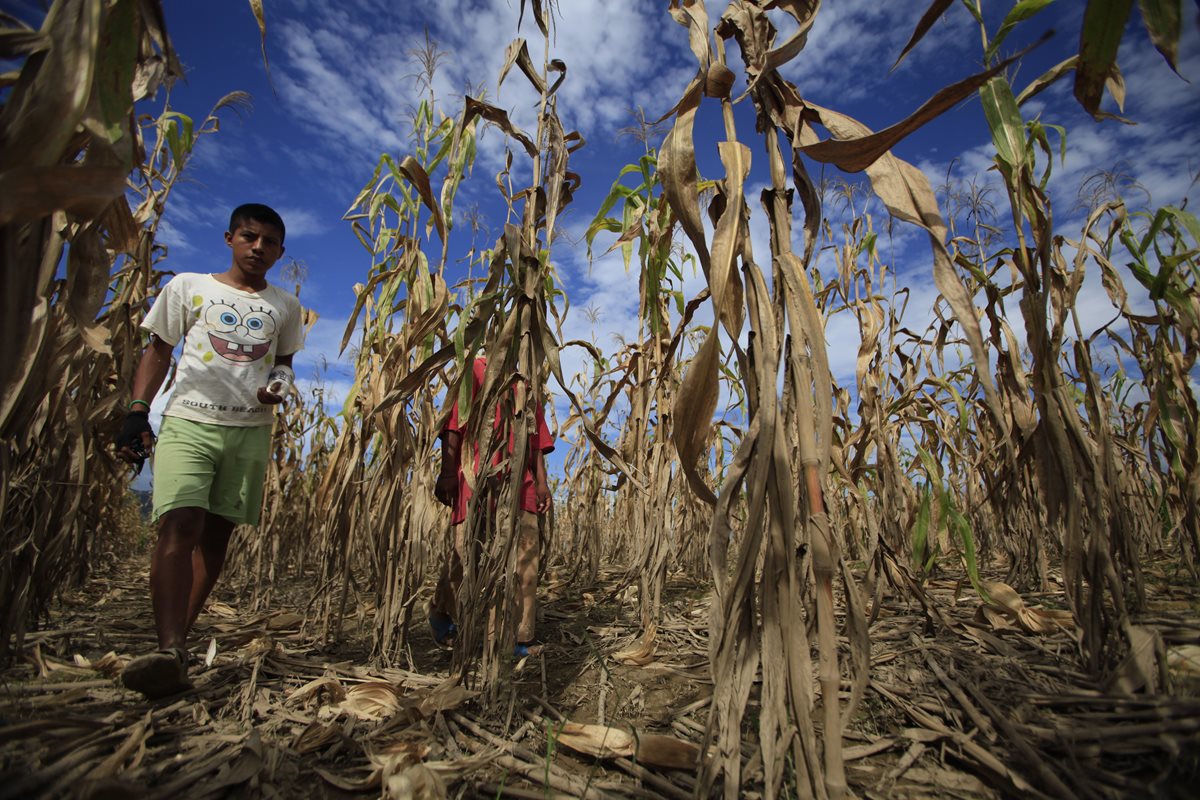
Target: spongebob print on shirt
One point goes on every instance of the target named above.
(230, 340)
(237, 336)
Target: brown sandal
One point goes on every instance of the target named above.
(158, 674)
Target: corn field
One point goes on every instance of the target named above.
(779, 539)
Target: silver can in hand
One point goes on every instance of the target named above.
(280, 380)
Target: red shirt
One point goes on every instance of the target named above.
(541, 442)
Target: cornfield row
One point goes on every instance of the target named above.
(806, 504)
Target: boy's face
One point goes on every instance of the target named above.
(256, 246)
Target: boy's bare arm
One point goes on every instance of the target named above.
(446, 488)
(136, 439)
(152, 370)
(541, 485)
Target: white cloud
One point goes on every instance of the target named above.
(176, 241)
(609, 48)
(302, 222)
(842, 61)
(348, 75)
(332, 391)
(184, 209)
(321, 347)
(335, 80)
(220, 152)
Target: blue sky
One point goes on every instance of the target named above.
(343, 89)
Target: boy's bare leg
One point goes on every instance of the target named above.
(179, 532)
(527, 575)
(164, 673)
(446, 592)
(443, 606)
(207, 560)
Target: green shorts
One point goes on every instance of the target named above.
(219, 468)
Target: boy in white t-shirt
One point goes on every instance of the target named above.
(239, 335)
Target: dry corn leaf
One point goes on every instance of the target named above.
(49, 666)
(600, 741)
(667, 752)
(248, 764)
(403, 781)
(863, 750)
(259, 646)
(210, 654)
(30, 192)
(638, 655)
(445, 697)
(603, 741)
(328, 690)
(316, 736)
(931, 15)
(1139, 669)
(219, 609)
(109, 664)
(373, 700)
(134, 742)
(1184, 660)
(1008, 609)
(284, 620)
(856, 153)
(409, 751)
(939, 782)
(998, 620)
(368, 782)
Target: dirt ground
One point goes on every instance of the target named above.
(959, 704)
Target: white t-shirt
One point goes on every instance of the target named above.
(230, 341)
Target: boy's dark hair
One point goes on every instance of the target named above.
(258, 213)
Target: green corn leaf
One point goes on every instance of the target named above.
(1103, 25)
(975, 11)
(932, 468)
(675, 269)
(1162, 21)
(1186, 219)
(1038, 136)
(384, 241)
(1166, 270)
(365, 192)
(443, 133)
(180, 136)
(920, 533)
(1004, 121)
(376, 203)
(115, 65)
(1019, 13)
(959, 525)
(349, 411)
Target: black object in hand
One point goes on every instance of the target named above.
(136, 423)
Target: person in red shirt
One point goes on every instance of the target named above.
(452, 490)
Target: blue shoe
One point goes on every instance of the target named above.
(444, 629)
(526, 649)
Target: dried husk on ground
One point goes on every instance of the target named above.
(959, 704)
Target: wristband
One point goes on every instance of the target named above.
(136, 402)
